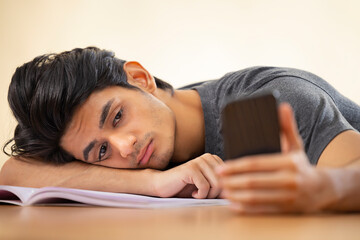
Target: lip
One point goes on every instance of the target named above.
(146, 153)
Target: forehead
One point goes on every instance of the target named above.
(104, 93)
(98, 98)
(94, 104)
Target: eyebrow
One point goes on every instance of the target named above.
(88, 149)
(105, 112)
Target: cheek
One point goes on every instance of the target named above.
(162, 116)
(170, 120)
(114, 162)
(156, 109)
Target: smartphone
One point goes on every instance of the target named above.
(250, 126)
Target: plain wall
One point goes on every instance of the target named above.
(187, 40)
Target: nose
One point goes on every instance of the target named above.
(123, 143)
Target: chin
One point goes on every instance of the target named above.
(163, 162)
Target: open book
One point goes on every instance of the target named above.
(24, 196)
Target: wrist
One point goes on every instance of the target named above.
(345, 184)
(332, 189)
(151, 182)
(165, 183)
(160, 184)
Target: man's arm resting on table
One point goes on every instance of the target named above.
(195, 178)
(32, 173)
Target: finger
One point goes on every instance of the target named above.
(257, 209)
(259, 197)
(285, 148)
(201, 184)
(218, 159)
(222, 195)
(214, 192)
(186, 192)
(289, 127)
(278, 180)
(207, 168)
(212, 160)
(267, 208)
(209, 173)
(258, 163)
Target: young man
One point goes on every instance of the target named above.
(117, 128)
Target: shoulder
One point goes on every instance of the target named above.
(317, 114)
(9, 171)
(252, 78)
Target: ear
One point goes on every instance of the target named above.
(139, 77)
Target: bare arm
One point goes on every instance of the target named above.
(346, 185)
(341, 163)
(32, 173)
(196, 178)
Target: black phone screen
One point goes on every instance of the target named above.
(251, 126)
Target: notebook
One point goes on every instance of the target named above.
(25, 196)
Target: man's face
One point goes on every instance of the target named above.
(122, 128)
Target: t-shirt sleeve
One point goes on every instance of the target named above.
(318, 118)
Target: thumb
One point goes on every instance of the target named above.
(289, 128)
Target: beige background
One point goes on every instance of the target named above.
(187, 40)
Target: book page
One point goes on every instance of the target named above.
(58, 195)
(110, 199)
(15, 195)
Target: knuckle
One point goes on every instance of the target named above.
(193, 165)
(218, 158)
(200, 160)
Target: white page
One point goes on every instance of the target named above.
(21, 192)
(109, 199)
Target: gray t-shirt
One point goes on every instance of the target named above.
(320, 111)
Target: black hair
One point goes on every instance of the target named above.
(44, 93)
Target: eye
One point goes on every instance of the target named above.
(117, 117)
(102, 151)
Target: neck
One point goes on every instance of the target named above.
(190, 127)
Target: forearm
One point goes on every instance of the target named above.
(31, 173)
(345, 186)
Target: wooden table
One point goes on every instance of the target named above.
(172, 224)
